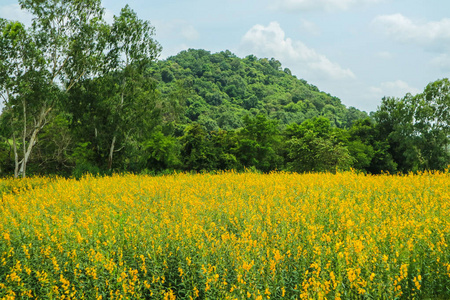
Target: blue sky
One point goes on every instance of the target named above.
(357, 50)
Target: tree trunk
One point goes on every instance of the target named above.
(27, 150)
(24, 140)
(27, 153)
(16, 157)
(111, 153)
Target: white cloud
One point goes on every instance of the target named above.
(309, 27)
(190, 33)
(270, 41)
(176, 29)
(327, 5)
(398, 88)
(15, 13)
(430, 34)
(442, 62)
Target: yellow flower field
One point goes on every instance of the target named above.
(226, 236)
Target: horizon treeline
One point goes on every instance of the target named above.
(94, 99)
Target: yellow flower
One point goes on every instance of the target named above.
(6, 236)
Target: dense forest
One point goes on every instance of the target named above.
(94, 98)
(225, 88)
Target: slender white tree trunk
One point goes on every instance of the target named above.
(39, 124)
(27, 153)
(24, 140)
(111, 153)
(16, 157)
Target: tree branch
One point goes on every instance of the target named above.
(59, 70)
(75, 81)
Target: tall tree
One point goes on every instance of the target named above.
(369, 149)
(196, 149)
(315, 146)
(394, 119)
(432, 124)
(417, 128)
(20, 68)
(257, 143)
(38, 64)
(130, 47)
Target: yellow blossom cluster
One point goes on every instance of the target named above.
(226, 236)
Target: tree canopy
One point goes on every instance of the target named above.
(81, 95)
(224, 88)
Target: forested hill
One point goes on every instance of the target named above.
(223, 88)
(91, 97)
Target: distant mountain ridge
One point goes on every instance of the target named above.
(223, 88)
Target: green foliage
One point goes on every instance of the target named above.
(161, 152)
(5, 156)
(83, 153)
(40, 64)
(122, 102)
(223, 83)
(417, 128)
(85, 168)
(130, 41)
(195, 149)
(54, 147)
(225, 150)
(257, 143)
(314, 146)
(369, 148)
(89, 97)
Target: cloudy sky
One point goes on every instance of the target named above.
(357, 50)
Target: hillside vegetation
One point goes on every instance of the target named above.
(223, 88)
(87, 96)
